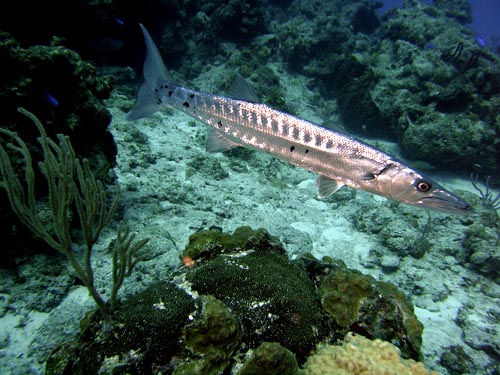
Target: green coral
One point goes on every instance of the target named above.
(342, 293)
(210, 243)
(275, 300)
(270, 358)
(214, 335)
(377, 309)
(146, 330)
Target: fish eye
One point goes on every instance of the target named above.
(423, 185)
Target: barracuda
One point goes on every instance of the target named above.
(239, 120)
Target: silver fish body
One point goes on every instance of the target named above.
(338, 159)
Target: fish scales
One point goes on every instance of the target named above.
(338, 159)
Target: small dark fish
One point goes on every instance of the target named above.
(119, 21)
(480, 41)
(51, 99)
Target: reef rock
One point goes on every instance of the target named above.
(239, 304)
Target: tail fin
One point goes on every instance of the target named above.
(155, 74)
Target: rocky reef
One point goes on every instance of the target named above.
(417, 73)
(416, 76)
(239, 303)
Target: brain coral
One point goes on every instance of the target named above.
(361, 356)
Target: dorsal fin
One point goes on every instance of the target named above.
(241, 90)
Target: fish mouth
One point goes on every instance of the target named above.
(447, 202)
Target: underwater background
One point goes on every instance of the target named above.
(227, 263)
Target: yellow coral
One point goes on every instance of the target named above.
(361, 356)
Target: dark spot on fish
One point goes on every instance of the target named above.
(307, 137)
(191, 96)
(219, 124)
(156, 90)
(307, 150)
(159, 102)
(185, 104)
(274, 126)
(329, 144)
(295, 133)
(264, 121)
(318, 140)
(170, 93)
(292, 149)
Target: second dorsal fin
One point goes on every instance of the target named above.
(216, 142)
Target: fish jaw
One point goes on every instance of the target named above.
(444, 201)
(434, 196)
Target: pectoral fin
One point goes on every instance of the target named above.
(327, 186)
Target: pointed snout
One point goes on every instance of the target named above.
(445, 201)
